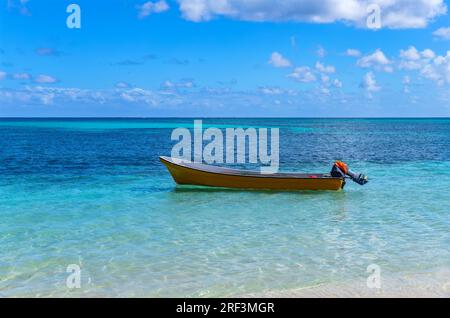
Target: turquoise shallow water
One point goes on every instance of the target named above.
(92, 192)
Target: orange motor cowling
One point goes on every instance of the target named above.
(340, 169)
(342, 165)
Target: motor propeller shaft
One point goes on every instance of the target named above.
(359, 178)
(340, 169)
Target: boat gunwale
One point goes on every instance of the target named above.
(248, 173)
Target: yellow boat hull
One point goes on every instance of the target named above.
(211, 176)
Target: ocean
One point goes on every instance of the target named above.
(92, 192)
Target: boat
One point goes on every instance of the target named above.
(191, 173)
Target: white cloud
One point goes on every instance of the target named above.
(175, 85)
(47, 99)
(410, 54)
(325, 68)
(395, 13)
(45, 95)
(337, 83)
(369, 83)
(442, 33)
(353, 52)
(430, 72)
(427, 63)
(45, 79)
(412, 59)
(152, 7)
(325, 78)
(325, 90)
(321, 52)
(122, 84)
(271, 90)
(406, 81)
(327, 83)
(278, 60)
(438, 69)
(168, 84)
(302, 74)
(21, 76)
(428, 54)
(139, 95)
(376, 60)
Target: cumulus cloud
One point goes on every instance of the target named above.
(122, 84)
(185, 83)
(267, 90)
(327, 83)
(45, 79)
(214, 98)
(427, 63)
(376, 60)
(325, 90)
(139, 95)
(428, 54)
(353, 53)
(21, 76)
(53, 95)
(410, 54)
(406, 81)
(337, 83)
(149, 7)
(412, 59)
(302, 74)
(325, 79)
(325, 68)
(320, 73)
(45, 95)
(442, 33)
(437, 69)
(369, 83)
(395, 13)
(321, 52)
(271, 90)
(278, 60)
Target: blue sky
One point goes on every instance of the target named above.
(225, 58)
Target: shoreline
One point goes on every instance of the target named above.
(433, 283)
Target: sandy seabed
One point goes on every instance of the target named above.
(435, 284)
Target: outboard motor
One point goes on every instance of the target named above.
(340, 170)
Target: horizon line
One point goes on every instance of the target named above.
(220, 117)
